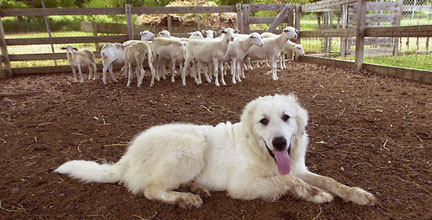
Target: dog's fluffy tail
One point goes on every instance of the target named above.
(90, 171)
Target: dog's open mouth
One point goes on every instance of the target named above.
(282, 159)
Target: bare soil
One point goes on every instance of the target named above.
(365, 130)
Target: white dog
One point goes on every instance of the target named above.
(262, 156)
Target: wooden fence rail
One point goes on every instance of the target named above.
(288, 14)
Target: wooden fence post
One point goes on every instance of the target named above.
(325, 26)
(290, 16)
(239, 17)
(343, 43)
(95, 33)
(360, 35)
(169, 23)
(128, 11)
(246, 11)
(297, 20)
(4, 51)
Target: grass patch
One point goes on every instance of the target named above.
(415, 61)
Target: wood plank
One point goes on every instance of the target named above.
(60, 11)
(326, 4)
(375, 18)
(64, 40)
(378, 6)
(42, 56)
(398, 72)
(360, 34)
(183, 10)
(49, 69)
(403, 31)
(4, 51)
(282, 15)
(264, 20)
(349, 32)
(265, 7)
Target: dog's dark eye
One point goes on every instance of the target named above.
(264, 121)
(285, 118)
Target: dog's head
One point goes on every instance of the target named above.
(274, 122)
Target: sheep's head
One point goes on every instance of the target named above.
(229, 33)
(69, 49)
(209, 33)
(147, 35)
(299, 51)
(257, 39)
(196, 35)
(164, 33)
(290, 32)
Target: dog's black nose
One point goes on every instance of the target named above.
(279, 143)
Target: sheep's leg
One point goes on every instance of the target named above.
(141, 69)
(112, 74)
(183, 75)
(164, 71)
(199, 72)
(173, 66)
(129, 68)
(90, 71)
(249, 62)
(94, 71)
(74, 74)
(80, 73)
(242, 72)
(233, 71)
(267, 63)
(152, 71)
(194, 74)
(283, 60)
(215, 66)
(222, 73)
(274, 68)
(238, 71)
(104, 70)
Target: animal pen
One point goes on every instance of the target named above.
(366, 32)
(365, 129)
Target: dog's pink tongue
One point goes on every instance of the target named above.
(283, 161)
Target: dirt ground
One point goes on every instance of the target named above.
(365, 130)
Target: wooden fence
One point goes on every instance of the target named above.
(244, 20)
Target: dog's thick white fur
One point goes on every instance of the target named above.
(237, 158)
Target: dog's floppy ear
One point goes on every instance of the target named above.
(302, 120)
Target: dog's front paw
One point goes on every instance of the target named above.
(189, 200)
(361, 197)
(322, 197)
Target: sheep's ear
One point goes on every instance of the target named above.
(236, 31)
(222, 31)
(63, 48)
(252, 36)
(74, 49)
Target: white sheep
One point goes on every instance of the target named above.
(271, 49)
(206, 51)
(161, 63)
(135, 54)
(145, 36)
(111, 54)
(78, 58)
(237, 51)
(289, 46)
(167, 50)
